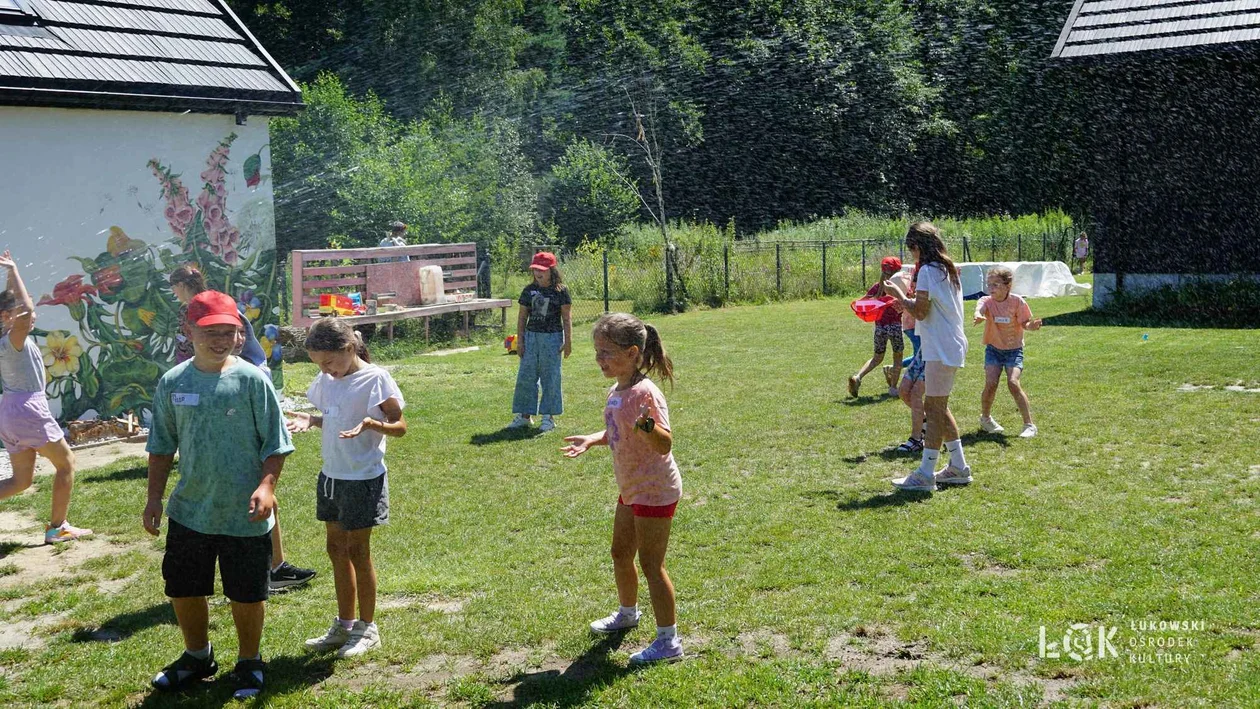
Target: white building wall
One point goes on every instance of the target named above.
(96, 225)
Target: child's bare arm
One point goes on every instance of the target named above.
(159, 471)
(263, 501)
(394, 424)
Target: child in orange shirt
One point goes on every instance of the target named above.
(1005, 317)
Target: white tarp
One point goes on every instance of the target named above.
(1033, 279)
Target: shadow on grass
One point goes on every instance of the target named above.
(123, 626)
(505, 434)
(970, 439)
(573, 685)
(1096, 318)
(846, 502)
(285, 675)
(865, 400)
(139, 472)
(8, 547)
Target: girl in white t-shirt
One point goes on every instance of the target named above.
(938, 310)
(359, 406)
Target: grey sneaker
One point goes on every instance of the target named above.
(953, 476)
(331, 640)
(661, 650)
(615, 622)
(363, 637)
(519, 421)
(547, 424)
(918, 481)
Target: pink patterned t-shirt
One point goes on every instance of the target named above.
(644, 477)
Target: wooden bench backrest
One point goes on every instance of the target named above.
(345, 270)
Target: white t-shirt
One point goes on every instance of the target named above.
(344, 403)
(941, 332)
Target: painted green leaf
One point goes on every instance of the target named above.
(117, 372)
(89, 265)
(88, 378)
(195, 237)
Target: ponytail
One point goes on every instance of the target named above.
(654, 357)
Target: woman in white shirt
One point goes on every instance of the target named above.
(937, 307)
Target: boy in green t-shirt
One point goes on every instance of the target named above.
(222, 415)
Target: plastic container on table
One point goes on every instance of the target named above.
(431, 285)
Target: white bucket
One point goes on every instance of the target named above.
(431, 285)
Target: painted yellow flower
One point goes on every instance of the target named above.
(61, 353)
(266, 345)
(146, 316)
(252, 313)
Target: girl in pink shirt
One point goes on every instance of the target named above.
(1005, 317)
(637, 431)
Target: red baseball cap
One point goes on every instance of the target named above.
(211, 307)
(543, 260)
(890, 263)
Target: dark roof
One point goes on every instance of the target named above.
(171, 55)
(1103, 27)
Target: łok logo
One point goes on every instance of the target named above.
(1080, 643)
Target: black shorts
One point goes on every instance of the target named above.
(188, 565)
(355, 504)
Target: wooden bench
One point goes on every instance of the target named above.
(361, 270)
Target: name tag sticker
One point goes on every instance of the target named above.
(615, 402)
(1002, 321)
(185, 399)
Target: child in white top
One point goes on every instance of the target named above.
(360, 405)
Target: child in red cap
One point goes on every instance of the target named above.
(544, 333)
(222, 415)
(887, 329)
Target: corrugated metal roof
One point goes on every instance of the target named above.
(1106, 27)
(179, 51)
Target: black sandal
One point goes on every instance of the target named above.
(243, 674)
(195, 668)
(912, 445)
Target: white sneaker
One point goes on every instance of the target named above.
(363, 637)
(519, 421)
(988, 425)
(548, 424)
(615, 622)
(1029, 431)
(661, 650)
(918, 481)
(953, 476)
(334, 638)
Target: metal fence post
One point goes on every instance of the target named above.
(863, 283)
(669, 283)
(966, 250)
(1019, 240)
(824, 264)
(605, 280)
(726, 270)
(992, 248)
(778, 269)
(1043, 246)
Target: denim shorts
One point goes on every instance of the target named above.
(1006, 359)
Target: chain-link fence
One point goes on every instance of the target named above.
(719, 273)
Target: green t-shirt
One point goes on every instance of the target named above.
(223, 425)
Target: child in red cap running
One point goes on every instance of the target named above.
(887, 329)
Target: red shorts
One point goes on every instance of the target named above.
(650, 510)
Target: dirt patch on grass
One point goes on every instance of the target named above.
(27, 633)
(432, 602)
(764, 643)
(982, 564)
(877, 651)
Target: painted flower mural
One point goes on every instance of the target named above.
(128, 317)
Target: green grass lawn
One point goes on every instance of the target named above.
(802, 578)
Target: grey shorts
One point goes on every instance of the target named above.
(356, 504)
(885, 334)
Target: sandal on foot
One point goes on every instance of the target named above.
(248, 676)
(185, 672)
